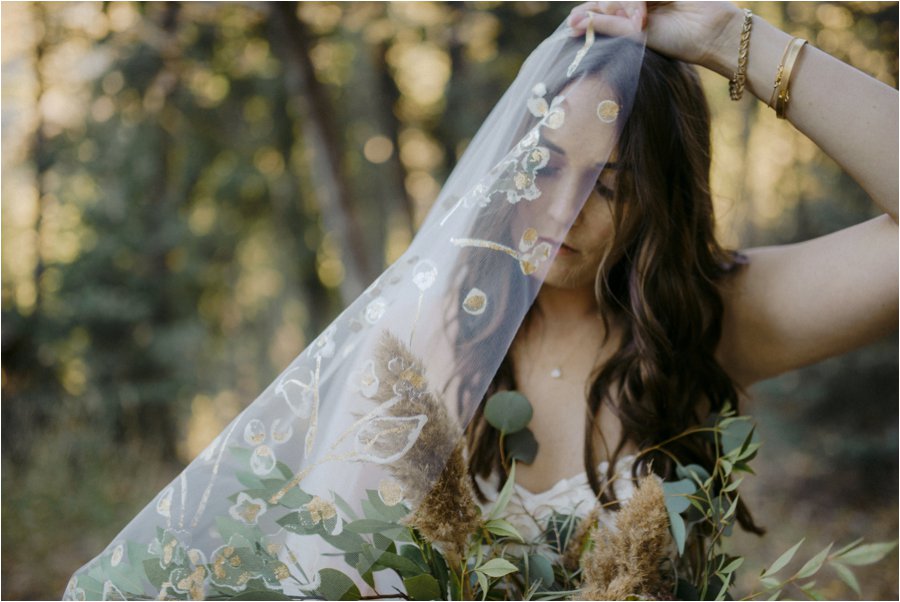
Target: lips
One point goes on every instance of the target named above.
(562, 248)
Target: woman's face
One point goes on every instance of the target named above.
(578, 149)
(578, 259)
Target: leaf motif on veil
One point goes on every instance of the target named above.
(299, 396)
(386, 439)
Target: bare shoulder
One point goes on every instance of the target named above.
(793, 305)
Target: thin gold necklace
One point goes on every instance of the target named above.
(556, 371)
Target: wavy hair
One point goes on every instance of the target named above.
(659, 284)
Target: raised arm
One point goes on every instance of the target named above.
(794, 304)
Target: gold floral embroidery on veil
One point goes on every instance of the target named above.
(530, 254)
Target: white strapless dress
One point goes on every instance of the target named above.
(529, 512)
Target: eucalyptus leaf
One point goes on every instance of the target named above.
(369, 525)
(540, 571)
(782, 560)
(694, 472)
(401, 564)
(733, 485)
(508, 411)
(676, 492)
(732, 508)
(736, 433)
(335, 585)
(813, 565)
(868, 553)
(723, 591)
(847, 576)
(496, 567)
(505, 493)
(423, 587)
(848, 547)
(733, 565)
(678, 529)
(344, 507)
(807, 588)
(503, 528)
(414, 554)
(384, 512)
(483, 582)
(521, 446)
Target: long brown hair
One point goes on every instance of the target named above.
(659, 284)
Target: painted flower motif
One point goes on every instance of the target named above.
(366, 381)
(424, 274)
(234, 565)
(321, 511)
(247, 509)
(556, 116)
(191, 582)
(390, 492)
(537, 106)
(537, 158)
(262, 458)
(532, 255)
(522, 180)
(375, 309)
(529, 237)
(528, 141)
(73, 592)
(475, 302)
(299, 396)
(111, 592)
(169, 546)
(607, 111)
(323, 346)
(552, 116)
(116, 557)
(164, 503)
(411, 382)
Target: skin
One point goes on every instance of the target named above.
(793, 305)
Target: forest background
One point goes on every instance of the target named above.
(191, 192)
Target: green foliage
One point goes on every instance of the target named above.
(508, 411)
(521, 446)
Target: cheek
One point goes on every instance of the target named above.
(598, 226)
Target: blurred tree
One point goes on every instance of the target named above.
(180, 187)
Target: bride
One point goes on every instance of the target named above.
(592, 177)
(644, 306)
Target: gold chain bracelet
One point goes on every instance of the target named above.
(736, 85)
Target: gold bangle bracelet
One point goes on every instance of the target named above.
(736, 84)
(781, 89)
(784, 93)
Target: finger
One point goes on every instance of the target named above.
(579, 12)
(636, 12)
(611, 25)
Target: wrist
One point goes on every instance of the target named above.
(722, 56)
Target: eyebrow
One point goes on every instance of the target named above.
(556, 149)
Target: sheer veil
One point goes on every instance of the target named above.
(367, 421)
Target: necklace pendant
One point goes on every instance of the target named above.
(556, 373)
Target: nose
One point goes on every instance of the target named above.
(564, 200)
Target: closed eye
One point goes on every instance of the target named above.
(604, 191)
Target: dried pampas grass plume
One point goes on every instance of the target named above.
(629, 562)
(433, 472)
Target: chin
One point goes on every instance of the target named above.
(574, 277)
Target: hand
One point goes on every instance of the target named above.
(704, 33)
